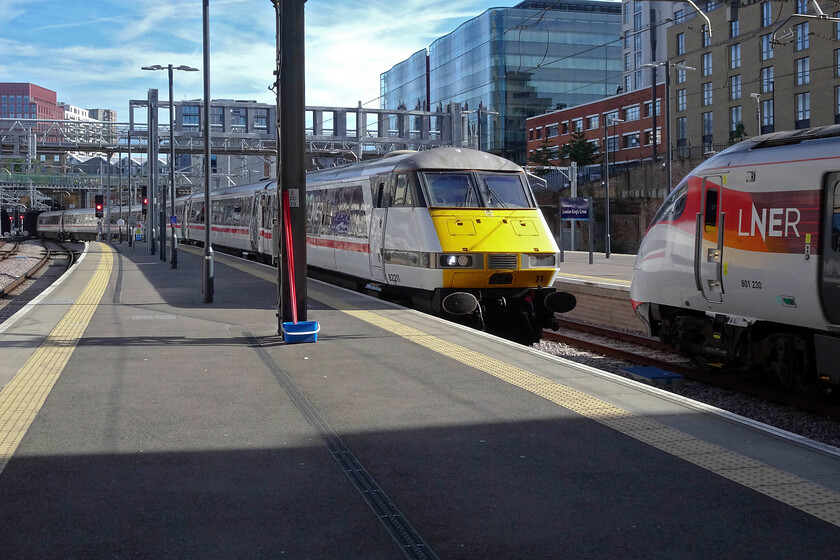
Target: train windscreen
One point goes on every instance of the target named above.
(476, 190)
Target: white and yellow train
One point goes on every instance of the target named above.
(457, 231)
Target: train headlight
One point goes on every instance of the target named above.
(542, 261)
(459, 260)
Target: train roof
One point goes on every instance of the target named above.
(437, 158)
(786, 138)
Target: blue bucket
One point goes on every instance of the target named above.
(302, 331)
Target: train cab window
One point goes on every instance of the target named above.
(403, 194)
(711, 212)
(451, 189)
(673, 206)
(504, 191)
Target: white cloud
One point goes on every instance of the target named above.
(94, 59)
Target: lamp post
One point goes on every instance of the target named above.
(668, 144)
(757, 97)
(173, 246)
(608, 119)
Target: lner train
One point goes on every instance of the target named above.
(81, 224)
(457, 231)
(741, 264)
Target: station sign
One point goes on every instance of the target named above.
(574, 208)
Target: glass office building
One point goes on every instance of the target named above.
(512, 63)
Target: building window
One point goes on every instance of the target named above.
(766, 14)
(577, 125)
(679, 16)
(704, 30)
(707, 94)
(803, 71)
(261, 120)
(680, 100)
(706, 64)
(803, 34)
(592, 122)
(767, 118)
(189, 116)
(734, 117)
(837, 105)
(767, 79)
(681, 73)
(801, 6)
(631, 140)
(735, 87)
(708, 123)
(735, 56)
(238, 119)
(631, 113)
(553, 130)
(627, 62)
(734, 28)
(837, 62)
(217, 118)
(766, 47)
(681, 131)
(680, 43)
(803, 109)
(837, 26)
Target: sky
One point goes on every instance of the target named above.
(90, 51)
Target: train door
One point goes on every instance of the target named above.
(255, 223)
(830, 269)
(708, 248)
(378, 216)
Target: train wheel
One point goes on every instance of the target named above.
(789, 361)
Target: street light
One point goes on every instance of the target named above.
(173, 247)
(608, 119)
(668, 148)
(757, 97)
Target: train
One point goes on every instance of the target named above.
(740, 267)
(457, 232)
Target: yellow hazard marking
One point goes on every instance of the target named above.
(779, 485)
(23, 397)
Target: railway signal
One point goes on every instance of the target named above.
(145, 197)
(98, 205)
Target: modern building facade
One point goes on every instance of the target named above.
(644, 35)
(508, 64)
(766, 67)
(28, 101)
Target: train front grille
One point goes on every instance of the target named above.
(496, 261)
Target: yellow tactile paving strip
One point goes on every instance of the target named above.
(784, 487)
(23, 397)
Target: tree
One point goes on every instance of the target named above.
(738, 134)
(541, 157)
(579, 149)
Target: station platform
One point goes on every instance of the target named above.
(602, 288)
(138, 421)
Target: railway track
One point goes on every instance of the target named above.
(26, 261)
(645, 351)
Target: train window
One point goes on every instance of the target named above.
(504, 191)
(711, 212)
(673, 206)
(402, 191)
(451, 189)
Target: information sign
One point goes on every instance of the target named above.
(574, 209)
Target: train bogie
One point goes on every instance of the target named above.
(738, 268)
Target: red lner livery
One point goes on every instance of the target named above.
(740, 267)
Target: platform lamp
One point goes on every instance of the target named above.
(608, 119)
(668, 150)
(173, 245)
